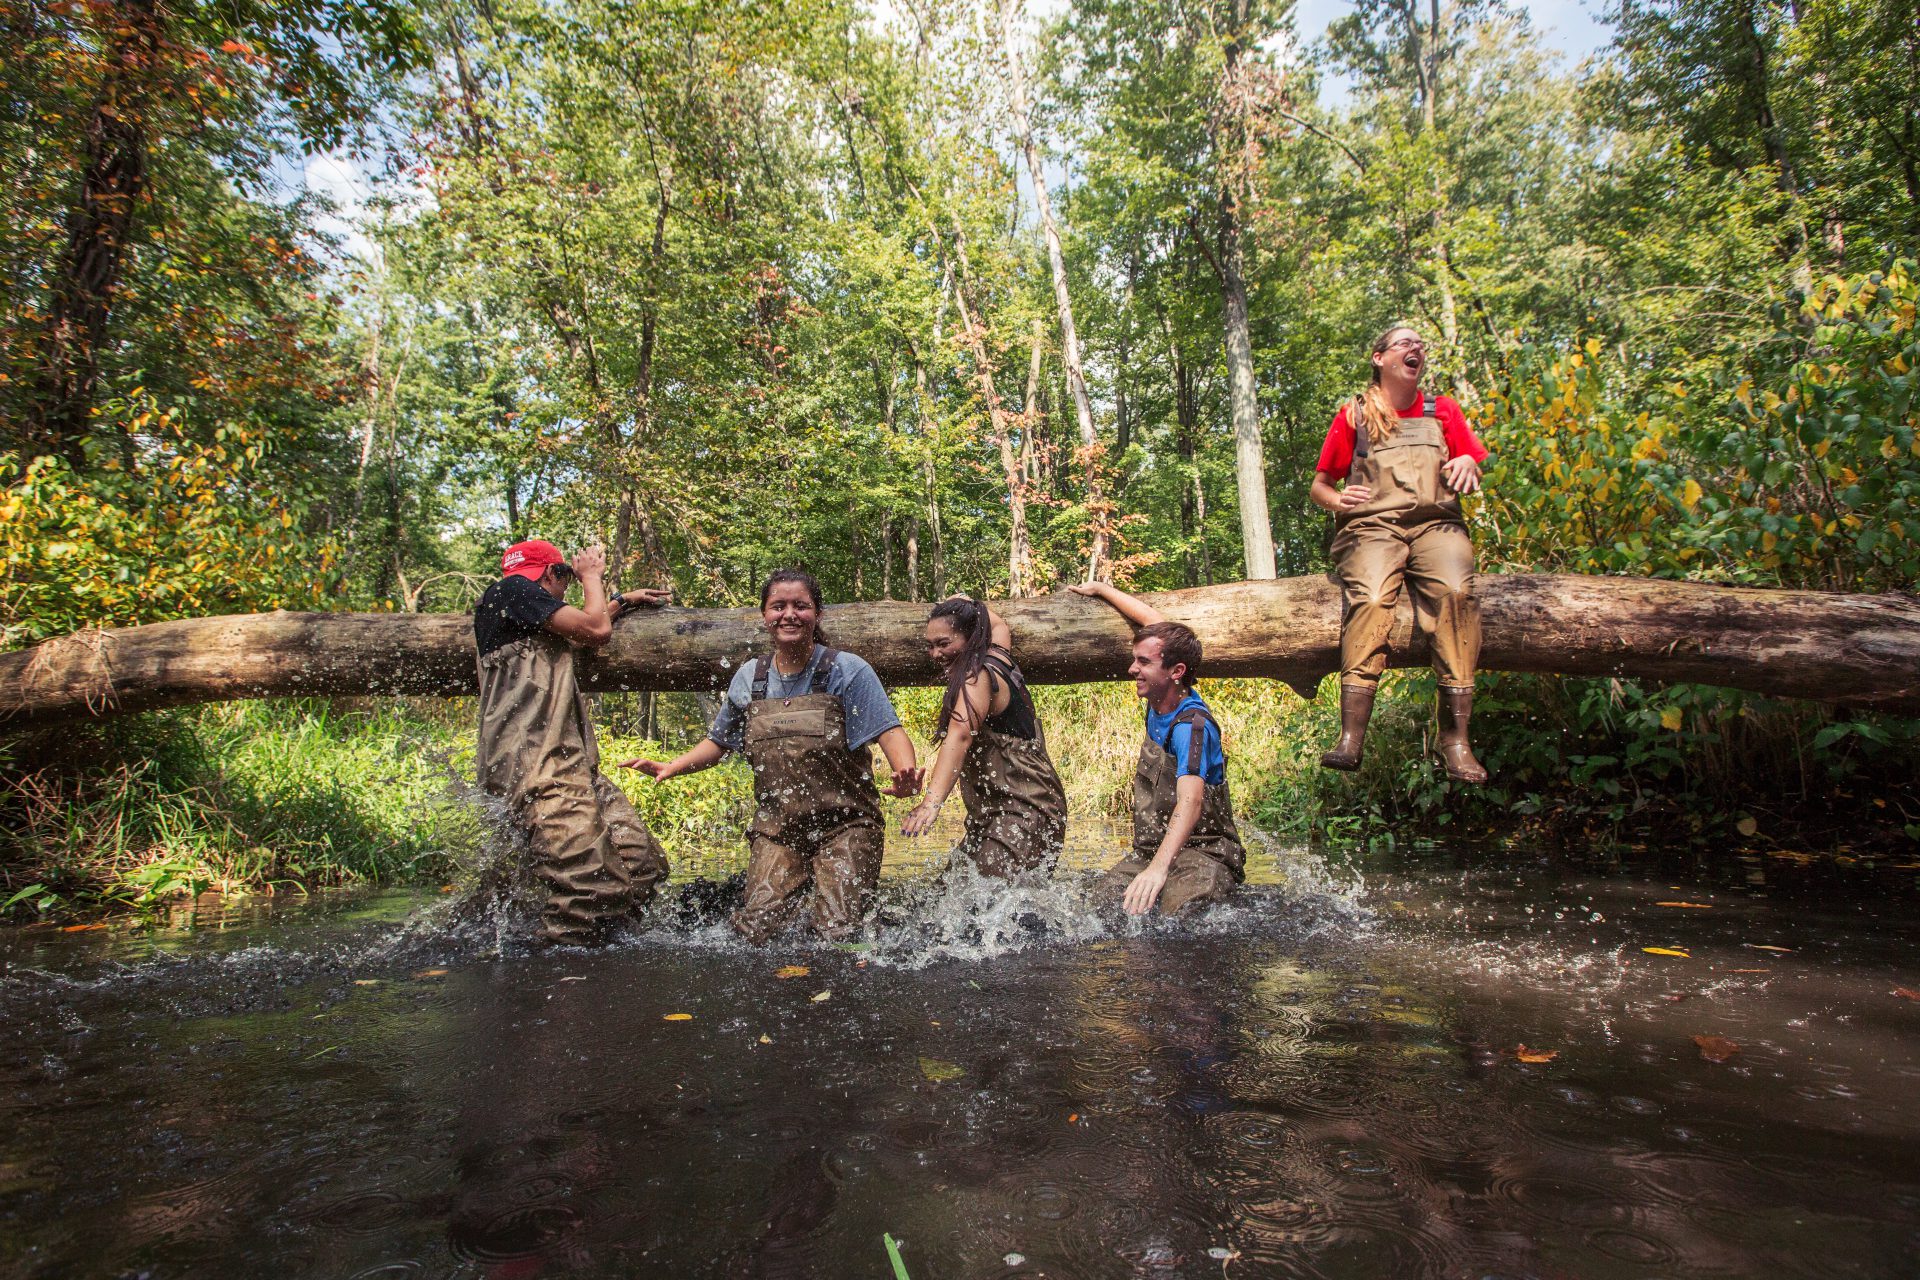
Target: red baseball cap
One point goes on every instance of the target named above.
(530, 559)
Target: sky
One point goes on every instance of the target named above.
(1573, 27)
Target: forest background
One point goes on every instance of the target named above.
(936, 296)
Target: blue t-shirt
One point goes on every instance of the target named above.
(1213, 757)
(869, 711)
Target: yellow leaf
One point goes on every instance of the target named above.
(1668, 951)
(1889, 449)
(1672, 718)
(792, 971)
(939, 1071)
(1691, 493)
(1697, 906)
(765, 1038)
(431, 973)
(676, 1017)
(824, 995)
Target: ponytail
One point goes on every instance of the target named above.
(970, 618)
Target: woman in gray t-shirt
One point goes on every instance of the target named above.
(805, 716)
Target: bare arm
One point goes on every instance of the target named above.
(592, 623)
(969, 709)
(897, 747)
(702, 755)
(1190, 793)
(1132, 608)
(1328, 498)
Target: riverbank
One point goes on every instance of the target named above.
(289, 796)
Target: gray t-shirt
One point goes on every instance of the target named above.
(869, 711)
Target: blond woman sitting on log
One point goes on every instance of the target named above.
(1406, 457)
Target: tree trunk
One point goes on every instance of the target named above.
(1249, 451)
(1856, 650)
(80, 299)
(1019, 552)
(1099, 551)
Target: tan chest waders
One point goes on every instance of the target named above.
(1410, 531)
(1212, 861)
(816, 811)
(537, 751)
(1016, 807)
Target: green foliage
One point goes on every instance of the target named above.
(1797, 465)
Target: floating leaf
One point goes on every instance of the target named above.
(82, 928)
(1525, 1054)
(1906, 993)
(893, 1256)
(939, 1071)
(1716, 1048)
(676, 1017)
(1074, 1118)
(573, 978)
(1749, 971)
(431, 973)
(765, 1038)
(1668, 951)
(1746, 826)
(1761, 946)
(823, 995)
(1694, 906)
(792, 971)
(366, 982)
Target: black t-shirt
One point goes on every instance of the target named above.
(511, 609)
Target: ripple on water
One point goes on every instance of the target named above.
(524, 1231)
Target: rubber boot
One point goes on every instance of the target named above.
(1356, 708)
(1456, 753)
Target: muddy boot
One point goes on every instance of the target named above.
(1356, 707)
(1456, 753)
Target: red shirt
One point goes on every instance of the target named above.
(1336, 455)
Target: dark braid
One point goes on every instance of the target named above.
(975, 625)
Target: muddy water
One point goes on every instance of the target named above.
(1450, 1065)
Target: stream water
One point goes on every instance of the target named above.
(1443, 1064)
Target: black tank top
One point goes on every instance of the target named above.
(1018, 720)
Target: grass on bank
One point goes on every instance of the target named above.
(293, 795)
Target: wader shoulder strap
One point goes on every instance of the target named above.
(760, 670)
(1196, 741)
(823, 671)
(1359, 422)
(1429, 407)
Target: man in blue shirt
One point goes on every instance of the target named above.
(1186, 849)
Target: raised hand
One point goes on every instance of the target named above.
(590, 563)
(658, 770)
(905, 783)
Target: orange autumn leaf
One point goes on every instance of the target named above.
(1716, 1048)
(1525, 1054)
(431, 973)
(82, 928)
(1668, 951)
(1906, 993)
(792, 971)
(676, 1017)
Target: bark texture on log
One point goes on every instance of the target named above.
(1860, 651)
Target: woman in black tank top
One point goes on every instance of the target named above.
(991, 748)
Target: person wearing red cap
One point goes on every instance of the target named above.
(537, 750)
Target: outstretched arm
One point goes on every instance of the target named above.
(1132, 608)
(702, 755)
(897, 747)
(969, 709)
(1144, 889)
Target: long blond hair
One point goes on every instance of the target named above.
(1371, 408)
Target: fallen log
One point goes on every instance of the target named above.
(1853, 650)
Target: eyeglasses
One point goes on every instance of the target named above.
(1407, 342)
